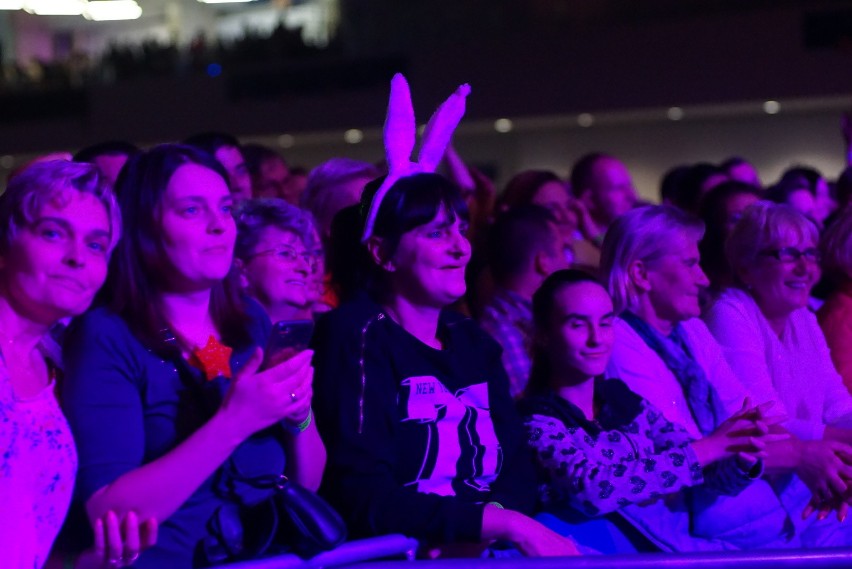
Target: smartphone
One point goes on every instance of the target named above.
(288, 338)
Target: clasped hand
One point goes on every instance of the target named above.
(744, 435)
(826, 468)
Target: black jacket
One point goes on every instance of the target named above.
(418, 439)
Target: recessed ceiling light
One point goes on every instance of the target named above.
(585, 119)
(675, 113)
(503, 125)
(353, 136)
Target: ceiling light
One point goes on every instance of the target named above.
(585, 119)
(675, 113)
(54, 7)
(353, 136)
(107, 10)
(771, 107)
(503, 125)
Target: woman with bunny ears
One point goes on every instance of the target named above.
(412, 400)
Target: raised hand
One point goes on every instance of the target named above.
(259, 399)
(585, 223)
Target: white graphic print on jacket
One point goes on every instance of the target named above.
(461, 440)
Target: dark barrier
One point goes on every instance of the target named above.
(782, 559)
(786, 559)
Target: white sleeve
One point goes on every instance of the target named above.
(742, 343)
(727, 384)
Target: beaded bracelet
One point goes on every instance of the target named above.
(303, 426)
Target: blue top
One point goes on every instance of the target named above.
(127, 406)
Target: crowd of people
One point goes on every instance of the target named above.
(558, 369)
(153, 58)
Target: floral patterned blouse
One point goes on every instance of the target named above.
(38, 462)
(630, 454)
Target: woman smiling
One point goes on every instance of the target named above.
(607, 455)
(172, 418)
(773, 341)
(58, 225)
(415, 407)
(277, 250)
(770, 338)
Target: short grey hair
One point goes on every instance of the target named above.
(643, 234)
(764, 225)
(255, 215)
(43, 182)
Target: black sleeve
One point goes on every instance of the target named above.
(357, 416)
(515, 488)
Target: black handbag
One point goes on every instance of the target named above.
(273, 514)
(291, 520)
(318, 526)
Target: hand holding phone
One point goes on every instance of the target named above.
(288, 338)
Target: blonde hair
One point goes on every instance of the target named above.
(836, 246)
(42, 182)
(763, 225)
(643, 234)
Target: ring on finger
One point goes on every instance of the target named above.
(114, 562)
(293, 396)
(129, 559)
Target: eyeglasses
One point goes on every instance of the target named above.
(791, 254)
(289, 255)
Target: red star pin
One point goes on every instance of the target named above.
(213, 359)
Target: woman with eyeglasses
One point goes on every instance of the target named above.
(277, 251)
(772, 340)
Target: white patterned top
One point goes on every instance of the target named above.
(38, 463)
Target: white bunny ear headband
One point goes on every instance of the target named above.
(400, 133)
